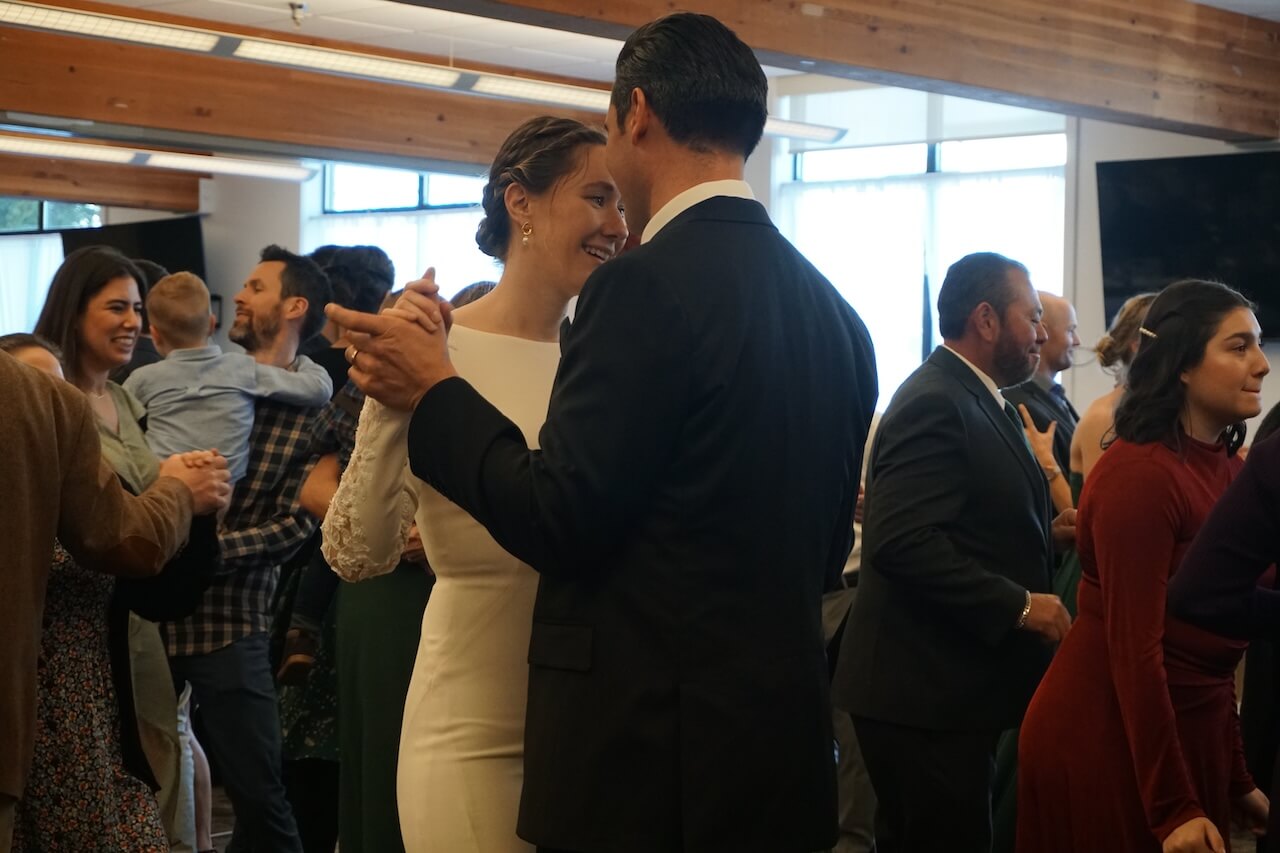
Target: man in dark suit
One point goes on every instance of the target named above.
(954, 623)
(1042, 394)
(693, 495)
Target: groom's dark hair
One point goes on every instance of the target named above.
(700, 80)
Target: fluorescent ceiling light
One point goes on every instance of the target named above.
(801, 130)
(105, 26)
(546, 93)
(345, 62)
(65, 150)
(230, 166)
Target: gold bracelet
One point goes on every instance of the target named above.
(1026, 611)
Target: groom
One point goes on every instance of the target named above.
(693, 495)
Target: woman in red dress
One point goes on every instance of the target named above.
(1132, 744)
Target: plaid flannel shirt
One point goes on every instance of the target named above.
(264, 527)
(336, 426)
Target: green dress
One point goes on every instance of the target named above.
(1004, 791)
(379, 626)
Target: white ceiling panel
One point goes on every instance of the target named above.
(246, 14)
(1269, 9)
(433, 44)
(507, 33)
(585, 47)
(336, 28)
(592, 71)
(321, 8)
(416, 18)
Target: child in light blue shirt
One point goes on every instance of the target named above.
(199, 397)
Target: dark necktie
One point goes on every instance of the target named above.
(1060, 397)
(1016, 419)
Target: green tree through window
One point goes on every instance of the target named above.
(19, 215)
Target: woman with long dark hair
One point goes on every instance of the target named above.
(1132, 742)
(108, 733)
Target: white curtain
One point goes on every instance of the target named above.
(868, 238)
(444, 239)
(27, 265)
(876, 240)
(1019, 214)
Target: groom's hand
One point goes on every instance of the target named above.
(394, 358)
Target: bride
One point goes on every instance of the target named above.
(552, 215)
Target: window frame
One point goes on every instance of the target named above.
(933, 162)
(423, 177)
(41, 219)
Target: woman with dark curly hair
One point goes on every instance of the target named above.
(1132, 741)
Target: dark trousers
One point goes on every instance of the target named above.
(312, 786)
(316, 587)
(933, 788)
(235, 690)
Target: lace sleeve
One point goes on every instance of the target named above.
(369, 518)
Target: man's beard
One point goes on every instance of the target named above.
(258, 332)
(1012, 364)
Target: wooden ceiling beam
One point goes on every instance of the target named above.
(99, 183)
(51, 74)
(1165, 64)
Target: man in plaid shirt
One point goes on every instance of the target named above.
(221, 649)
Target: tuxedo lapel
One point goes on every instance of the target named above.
(994, 413)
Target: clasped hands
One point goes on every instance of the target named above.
(398, 355)
(205, 473)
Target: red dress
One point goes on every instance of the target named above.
(1133, 730)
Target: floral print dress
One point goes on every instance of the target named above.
(79, 797)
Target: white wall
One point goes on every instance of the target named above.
(246, 214)
(1094, 142)
(241, 216)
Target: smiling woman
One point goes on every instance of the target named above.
(92, 313)
(553, 215)
(1132, 740)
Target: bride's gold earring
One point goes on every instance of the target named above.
(525, 231)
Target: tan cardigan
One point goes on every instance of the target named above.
(53, 482)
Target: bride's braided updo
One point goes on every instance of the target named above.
(536, 155)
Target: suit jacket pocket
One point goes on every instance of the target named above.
(557, 646)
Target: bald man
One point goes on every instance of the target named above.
(1042, 394)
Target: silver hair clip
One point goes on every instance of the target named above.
(1150, 334)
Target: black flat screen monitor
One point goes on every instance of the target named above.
(175, 244)
(1193, 217)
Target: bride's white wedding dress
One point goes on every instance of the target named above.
(462, 741)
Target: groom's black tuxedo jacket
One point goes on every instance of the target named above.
(692, 497)
(957, 530)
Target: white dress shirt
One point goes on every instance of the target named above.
(687, 199)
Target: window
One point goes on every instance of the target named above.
(420, 219)
(885, 222)
(26, 215)
(351, 188)
(847, 164)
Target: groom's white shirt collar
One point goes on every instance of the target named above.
(694, 195)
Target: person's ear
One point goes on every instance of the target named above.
(295, 307)
(985, 322)
(639, 116)
(518, 202)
